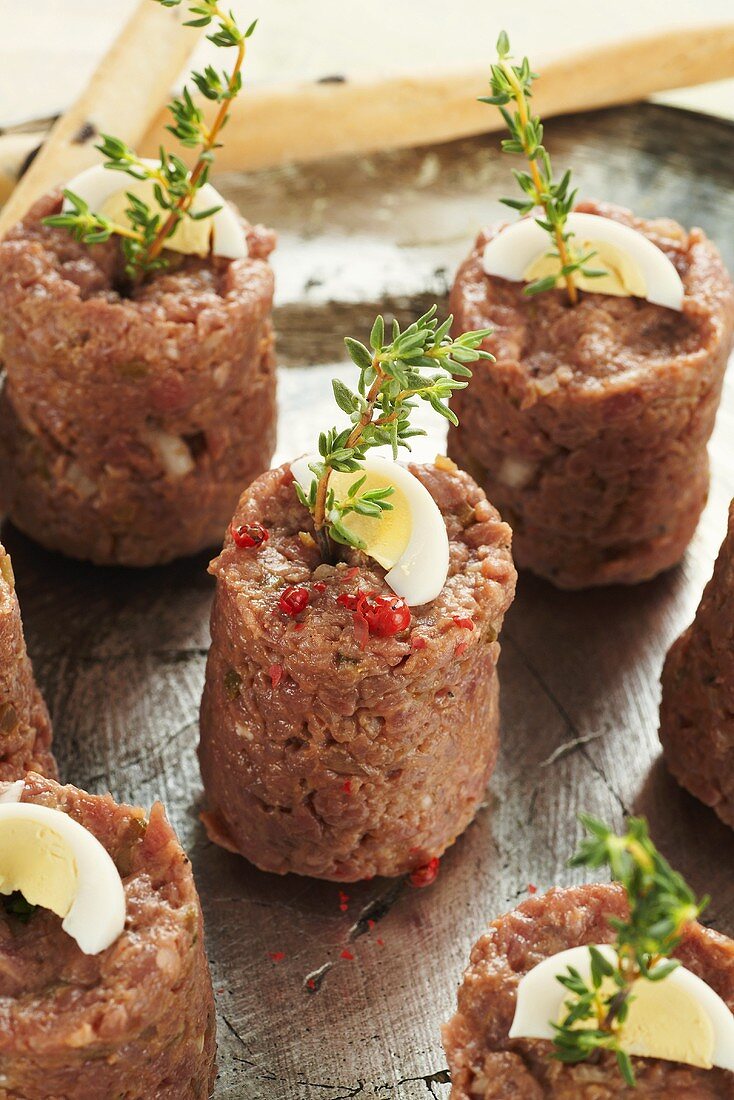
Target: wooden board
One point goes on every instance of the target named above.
(120, 655)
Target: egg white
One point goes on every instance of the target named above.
(518, 245)
(97, 914)
(419, 573)
(540, 998)
(98, 184)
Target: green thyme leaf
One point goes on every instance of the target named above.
(358, 353)
(16, 904)
(347, 401)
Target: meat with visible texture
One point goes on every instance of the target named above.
(134, 1021)
(341, 755)
(486, 1065)
(697, 709)
(131, 417)
(590, 431)
(25, 727)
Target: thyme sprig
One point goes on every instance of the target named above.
(16, 904)
(422, 363)
(146, 231)
(661, 905)
(513, 84)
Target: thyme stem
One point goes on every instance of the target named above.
(185, 201)
(319, 516)
(512, 83)
(661, 905)
(522, 107)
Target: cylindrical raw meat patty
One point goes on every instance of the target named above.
(131, 419)
(697, 710)
(134, 1021)
(341, 754)
(589, 433)
(486, 1065)
(25, 728)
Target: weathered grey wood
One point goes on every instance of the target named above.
(121, 655)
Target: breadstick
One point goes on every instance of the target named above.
(122, 97)
(302, 122)
(15, 153)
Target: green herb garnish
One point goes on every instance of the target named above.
(146, 231)
(513, 84)
(423, 363)
(661, 905)
(16, 904)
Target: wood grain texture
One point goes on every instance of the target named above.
(120, 655)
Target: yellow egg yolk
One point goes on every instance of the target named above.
(39, 863)
(623, 278)
(664, 1021)
(385, 536)
(191, 238)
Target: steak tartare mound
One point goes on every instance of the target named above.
(697, 711)
(25, 728)
(590, 430)
(131, 415)
(486, 1065)
(344, 735)
(135, 1020)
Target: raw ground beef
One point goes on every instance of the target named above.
(697, 710)
(25, 728)
(589, 433)
(331, 756)
(134, 1022)
(486, 1065)
(129, 422)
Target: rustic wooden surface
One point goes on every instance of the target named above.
(120, 655)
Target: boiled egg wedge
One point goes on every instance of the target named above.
(635, 267)
(680, 1018)
(56, 863)
(409, 540)
(221, 234)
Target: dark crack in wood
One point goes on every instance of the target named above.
(376, 910)
(567, 747)
(313, 334)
